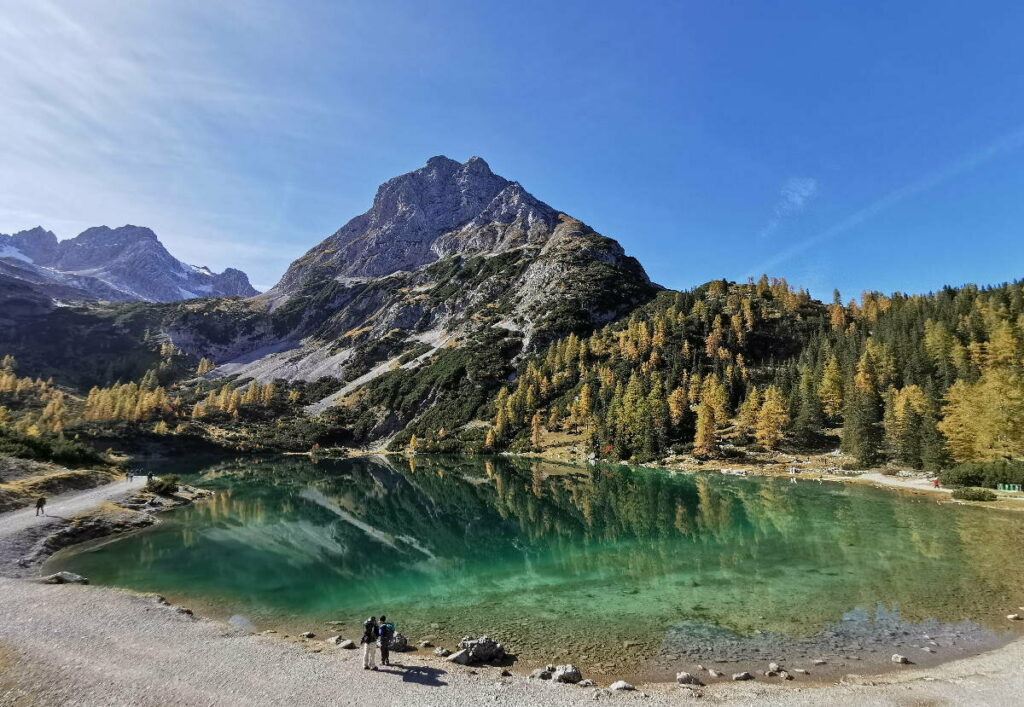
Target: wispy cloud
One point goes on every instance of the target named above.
(125, 113)
(793, 197)
(1005, 144)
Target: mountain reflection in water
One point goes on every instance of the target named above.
(544, 554)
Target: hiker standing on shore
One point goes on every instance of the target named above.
(41, 506)
(385, 633)
(369, 641)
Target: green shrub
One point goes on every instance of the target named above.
(53, 448)
(164, 485)
(972, 493)
(987, 474)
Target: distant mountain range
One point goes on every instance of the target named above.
(113, 264)
(449, 257)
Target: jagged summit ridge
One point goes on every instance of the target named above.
(125, 263)
(440, 209)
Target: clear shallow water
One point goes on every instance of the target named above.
(574, 563)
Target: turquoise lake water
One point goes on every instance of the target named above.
(562, 561)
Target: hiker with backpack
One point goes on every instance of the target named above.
(385, 632)
(369, 641)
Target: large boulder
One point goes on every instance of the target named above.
(482, 650)
(566, 673)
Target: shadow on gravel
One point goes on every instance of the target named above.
(419, 674)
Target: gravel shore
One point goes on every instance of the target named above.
(81, 645)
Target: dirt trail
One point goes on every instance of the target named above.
(65, 506)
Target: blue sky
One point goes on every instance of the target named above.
(850, 145)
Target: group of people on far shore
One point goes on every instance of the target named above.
(377, 634)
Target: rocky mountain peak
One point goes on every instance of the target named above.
(418, 217)
(35, 244)
(124, 263)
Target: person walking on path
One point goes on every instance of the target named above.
(385, 632)
(41, 506)
(369, 641)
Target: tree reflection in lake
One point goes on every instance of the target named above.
(543, 554)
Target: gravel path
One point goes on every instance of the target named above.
(74, 645)
(65, 506)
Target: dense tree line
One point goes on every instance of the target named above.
(918, 380)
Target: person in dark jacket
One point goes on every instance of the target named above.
(385, 632)
(41, 506)
(369, 641)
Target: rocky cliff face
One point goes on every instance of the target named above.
(418, 218)
(116, 264)
(447, 255)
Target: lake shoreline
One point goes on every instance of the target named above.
(111, 647)
(839, 660)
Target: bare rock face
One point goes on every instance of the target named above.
(467, 202)
(444, 252)
(114, 264)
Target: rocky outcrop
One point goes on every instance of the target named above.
(113, 264)
(478, 650)
(447, 254)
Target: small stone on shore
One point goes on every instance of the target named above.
(566, 673)
(684, 678)
(820, 661)
(621, 685)
(307, 634)
(1013, 617)
(742, 676)
(63, 578)
(443, 652)
(900, 659)
(461, 657)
